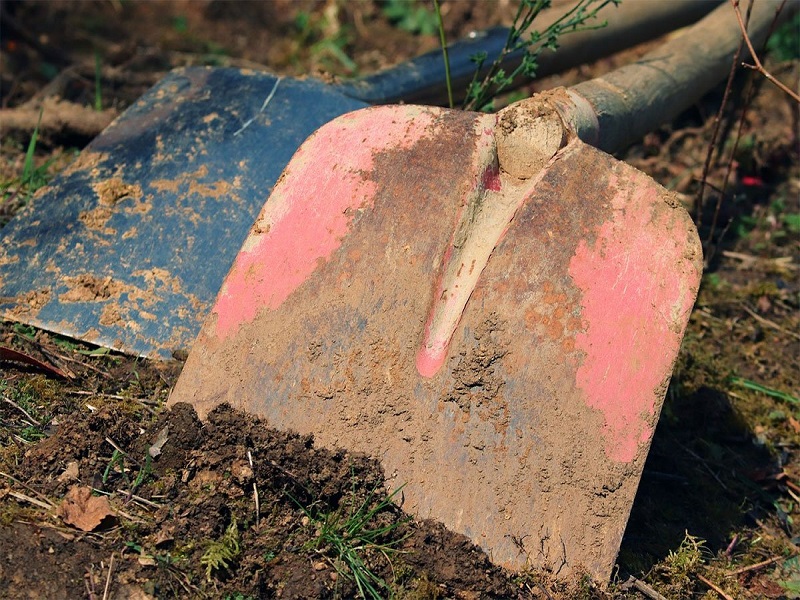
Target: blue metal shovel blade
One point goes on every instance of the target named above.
(127, 248)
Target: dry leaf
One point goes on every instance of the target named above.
(16, 356)
(82, 510)
(794, 423)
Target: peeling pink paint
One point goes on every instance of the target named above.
(635, 268)
(491, 177)
(312, 208)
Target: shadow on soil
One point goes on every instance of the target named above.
(706, 475)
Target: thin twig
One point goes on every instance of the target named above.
(714, 587)
(541, 588)
(95, 394)
(34, 501)
(83, 364)
(748, 260)
(88, 582)
(31, 420)
(712, 146)
(792, 485)
(108, 579)
(117, 448)
(705, 464)
(255, 489)
(138, 499)
(754, 567)
(29, 488)
(285, 471)
(642, 587)
(758, 66)
(767, 322)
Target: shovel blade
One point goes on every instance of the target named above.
(127, 248)
(531, 437)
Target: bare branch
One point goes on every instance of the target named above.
(758, 66)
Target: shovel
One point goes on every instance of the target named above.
(488, 304)
(128, 248)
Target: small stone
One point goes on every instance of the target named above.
(319, 566)
(70, 473)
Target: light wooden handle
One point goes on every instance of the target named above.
(627, 103)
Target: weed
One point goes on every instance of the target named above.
(350, 538)
(180, 24)
(688, 557)
(679, 569)
(15, 193)
(164, 560)
(788, 576)
(27, 169)
(220, 554)
(792, 222)
(32, 433)
(98, 94)
(784, 44)
(411, 16)
(99, 351)
(325, 38)
(521, 38)
(25, 331)
(25, 398)
(118, 460)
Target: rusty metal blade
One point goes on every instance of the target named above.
(531, 435)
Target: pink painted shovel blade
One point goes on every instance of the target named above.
(531, 436)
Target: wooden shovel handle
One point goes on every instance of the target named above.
(421, 80)
(618, 108)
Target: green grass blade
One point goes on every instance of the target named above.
(27, 169)
(443, 42)
(757, 387)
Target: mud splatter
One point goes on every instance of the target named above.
(88, 288)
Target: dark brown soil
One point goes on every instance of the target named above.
(230, 508)
(231, 471)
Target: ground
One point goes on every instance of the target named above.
(105, 493)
